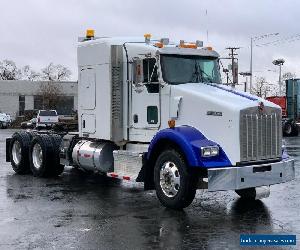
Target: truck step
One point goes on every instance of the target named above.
(127, 165)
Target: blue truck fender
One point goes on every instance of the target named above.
(189, 140)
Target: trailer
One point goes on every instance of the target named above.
(290, 107)
(155, 112)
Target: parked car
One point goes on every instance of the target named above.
(5, 120)
(46, 118)
(29, 124)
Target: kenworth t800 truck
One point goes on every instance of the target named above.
(156, 112)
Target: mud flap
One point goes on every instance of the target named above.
(8, 140)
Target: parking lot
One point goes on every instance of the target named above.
(84, 211)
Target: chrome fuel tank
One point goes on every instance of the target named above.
(94, 155)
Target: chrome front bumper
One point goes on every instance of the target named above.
(233, 178)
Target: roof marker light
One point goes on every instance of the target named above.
(182, 44)
(147, 38)
(90, 33)
(188, 46)
(159, 44)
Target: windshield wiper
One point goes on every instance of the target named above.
(208, 77)
(197, 74)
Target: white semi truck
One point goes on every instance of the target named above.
(156, 112)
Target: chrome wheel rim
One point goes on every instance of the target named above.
(37, 156)
(16, 152)
(169, 179)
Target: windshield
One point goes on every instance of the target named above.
(178, 69)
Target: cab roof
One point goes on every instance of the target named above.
(172, 48)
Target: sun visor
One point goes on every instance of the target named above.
(188, 51)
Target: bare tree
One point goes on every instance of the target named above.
(285, 76)
(51, 94)
(54, 72)
(9, 70)
(261, 87)
(288, 75)
(28, 74)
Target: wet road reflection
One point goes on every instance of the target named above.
(79, 210)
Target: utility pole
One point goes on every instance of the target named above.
(234, 66)
(279, 62)
(251, 63)
(253, 39)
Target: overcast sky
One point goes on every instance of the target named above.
(36, 32)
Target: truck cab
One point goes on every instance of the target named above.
(156, 112)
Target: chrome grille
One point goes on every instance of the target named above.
(260, 134)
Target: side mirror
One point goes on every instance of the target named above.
(138, 71)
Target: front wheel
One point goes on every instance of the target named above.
(175, 185)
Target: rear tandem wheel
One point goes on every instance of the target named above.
(19, 152)
(44, 156)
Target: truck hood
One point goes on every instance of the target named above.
(214, 109)
(222, 94)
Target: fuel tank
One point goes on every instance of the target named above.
(94, 155)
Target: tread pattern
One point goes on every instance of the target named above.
(57, 167)
(24, 139)
(48, 155)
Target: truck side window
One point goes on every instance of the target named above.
(150, 70)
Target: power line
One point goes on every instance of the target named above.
(292, 38)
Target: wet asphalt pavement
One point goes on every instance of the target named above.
(82, 211)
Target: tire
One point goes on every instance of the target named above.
(287, 129)
(57, 167)
(247, 193)
(178, 188)
(295, 131)
(42, 156)
(31, 134)
(19, 152)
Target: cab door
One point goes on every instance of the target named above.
(145, 100)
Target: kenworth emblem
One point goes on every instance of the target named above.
(261, 107)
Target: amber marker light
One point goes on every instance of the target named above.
(171, 123)
(90, 33)
(159, 45)
(147, 38)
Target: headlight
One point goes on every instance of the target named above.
(209, 151)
